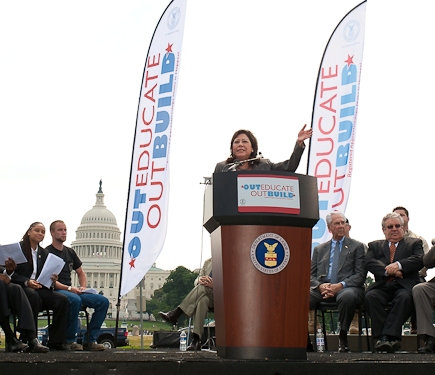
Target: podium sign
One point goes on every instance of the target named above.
(268, 193)
(261, 250)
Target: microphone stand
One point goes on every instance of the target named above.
(234, 165)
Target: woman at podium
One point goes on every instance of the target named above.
(244, 154)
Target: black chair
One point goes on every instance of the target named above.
(83, 308)
(327, 307)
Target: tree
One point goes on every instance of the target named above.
(178, 284)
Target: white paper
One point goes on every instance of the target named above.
(12, 251)
(52, 266)
(90, 291)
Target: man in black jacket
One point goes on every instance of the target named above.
(395, 263)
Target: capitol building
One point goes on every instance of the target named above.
(99, 246)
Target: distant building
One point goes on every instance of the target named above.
(99, 246)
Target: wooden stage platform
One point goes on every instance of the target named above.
(172, 361)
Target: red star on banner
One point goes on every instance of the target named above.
(169, 48)
(349, 60)
(131, 263)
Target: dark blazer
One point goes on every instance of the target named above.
(429, 260)
(24, 270)
(289, 165)
(409, 254)
(350, 264)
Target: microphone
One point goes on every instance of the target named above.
(236, 163)
(232, 166)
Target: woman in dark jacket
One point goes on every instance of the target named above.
(244, 154)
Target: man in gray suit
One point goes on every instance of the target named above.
(196, 304)
(424, 296)
(337, 274)
(395, 263)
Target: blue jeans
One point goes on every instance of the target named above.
(99, 303)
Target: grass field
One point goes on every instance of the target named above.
(135, 343)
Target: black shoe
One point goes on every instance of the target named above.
(343, 346)
(195, 344)
(429, 346)
(395, 345)
(15, 346)
(169, 317)
(383, 345)
(36, 347)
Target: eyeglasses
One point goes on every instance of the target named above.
(391, 226)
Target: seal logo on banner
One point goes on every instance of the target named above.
(173, 18)
(351, 30)
(270, 253)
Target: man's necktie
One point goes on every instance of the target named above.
(334, 268)
(392, 251)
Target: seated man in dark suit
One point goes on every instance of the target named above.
(196, 303)
(337, 274)
(395, 263)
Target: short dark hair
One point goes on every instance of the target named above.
(252, 139)
(401, 208)
(53, 224)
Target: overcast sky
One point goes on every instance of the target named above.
(70, 76)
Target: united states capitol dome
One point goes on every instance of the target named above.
(98, 224)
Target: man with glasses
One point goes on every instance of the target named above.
(395, 263)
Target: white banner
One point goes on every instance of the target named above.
(335, 111)
(147, 207)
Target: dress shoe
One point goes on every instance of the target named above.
(195, 344)
(15, 346)
(36, 347)
(395, 345)
(343, 346)
(429, 346)
(384, 345)
(170, 317)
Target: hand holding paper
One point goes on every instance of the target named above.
(52, 266)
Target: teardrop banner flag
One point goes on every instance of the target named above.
(335, 109)
(148, 196)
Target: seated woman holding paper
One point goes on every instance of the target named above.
(40, 296)
(244, 154)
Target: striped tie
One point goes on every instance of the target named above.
(392, 251)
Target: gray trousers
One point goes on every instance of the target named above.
(424, 299)
(347, 300)
(196, 304)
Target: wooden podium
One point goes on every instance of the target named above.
(260, 225)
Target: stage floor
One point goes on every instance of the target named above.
(172, 361)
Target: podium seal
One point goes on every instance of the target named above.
(270, 253)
